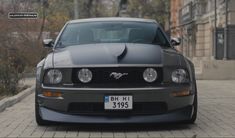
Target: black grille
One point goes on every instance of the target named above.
(102, 76)
(139, 108)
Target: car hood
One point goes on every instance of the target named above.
(112, 54)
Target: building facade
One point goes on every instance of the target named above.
(201, 25)
(175, 8)
(207, 32)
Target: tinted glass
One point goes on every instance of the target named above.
(112, 32)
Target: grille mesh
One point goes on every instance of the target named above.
(102, 76)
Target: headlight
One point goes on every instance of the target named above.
(53, 76)
(150, 75)
(179, 76)
(85, 75)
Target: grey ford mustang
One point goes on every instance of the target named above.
(114, 70)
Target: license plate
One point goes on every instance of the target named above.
(118, 102)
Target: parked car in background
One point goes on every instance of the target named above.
(114, 70)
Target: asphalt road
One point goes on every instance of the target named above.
(216, 118)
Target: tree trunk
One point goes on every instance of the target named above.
(43, 19)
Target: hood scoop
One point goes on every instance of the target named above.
(117, 51)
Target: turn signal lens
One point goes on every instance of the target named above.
(181, 93)
(52, 94)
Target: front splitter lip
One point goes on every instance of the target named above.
(182, 114)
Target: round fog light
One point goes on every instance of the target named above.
(150, 75)
(84, 75)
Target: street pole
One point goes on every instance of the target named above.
(226, 31)
(75, 2)
(215, 32)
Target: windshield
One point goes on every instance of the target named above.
(112, 32)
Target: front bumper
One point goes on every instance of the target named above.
(56, 109)
(175, 116)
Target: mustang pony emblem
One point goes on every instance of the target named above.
(117, 75)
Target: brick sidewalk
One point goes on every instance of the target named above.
(216, 118)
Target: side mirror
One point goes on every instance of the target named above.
(175, 41)
(48, 42)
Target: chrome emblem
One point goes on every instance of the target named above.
(117, 75)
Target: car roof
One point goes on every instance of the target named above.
(112, 19)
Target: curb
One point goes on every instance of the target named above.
(9, 101)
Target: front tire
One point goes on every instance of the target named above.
(38, 117)
(194, 116)
(195, 106)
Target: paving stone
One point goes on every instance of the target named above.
(49, 132)
(107, 134)
(83, 134)
(119, 134)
